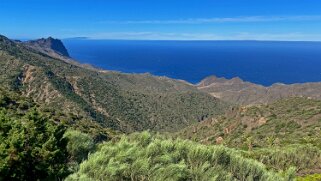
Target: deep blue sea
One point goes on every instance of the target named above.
(260, 62)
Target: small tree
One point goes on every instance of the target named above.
(31, 148)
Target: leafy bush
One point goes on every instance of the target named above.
(79, 145)
(31, 147)
(141, 156)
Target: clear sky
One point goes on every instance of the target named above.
(163, 19)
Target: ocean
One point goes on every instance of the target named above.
(261, 62)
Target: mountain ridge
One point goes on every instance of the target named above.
(124, 102)
(237, 91)
(105, 104)
(49, 45)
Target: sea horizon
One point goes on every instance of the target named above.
(260, 62)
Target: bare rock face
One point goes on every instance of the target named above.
(246, 93)
(49, 46)
(56, 49)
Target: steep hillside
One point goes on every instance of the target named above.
(48, 46)
(282, 134)
(125, 102)
(246, 93)
(55, 49)
(48, 152)
(36, 145)
(15, 104)
(287, 121)
(31, 143)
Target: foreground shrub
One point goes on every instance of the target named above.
(79, 145)
(151, 158)
(314, 177)
(31, 147)
(282, 158)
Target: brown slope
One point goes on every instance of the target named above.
(246, 93)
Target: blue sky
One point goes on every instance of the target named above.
(163, 19)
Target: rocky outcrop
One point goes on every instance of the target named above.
(49, 46)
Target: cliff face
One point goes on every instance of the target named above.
(49, 46)
(246, 93)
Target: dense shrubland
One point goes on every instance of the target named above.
(141, 156)
(33, 145)
(123, 102)
(36, 144)
(302, 157)
(282, 134)
(286, 121)
(79, 108)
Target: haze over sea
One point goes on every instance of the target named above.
(262, 62)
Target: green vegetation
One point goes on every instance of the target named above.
(282, 134)
(32, 136)
(145, 157)
(79, 145)
(32, 147)
(122, 102)
(314, 177)
(35, 144)
(72, 130)
(287, 121)
(303, 157)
